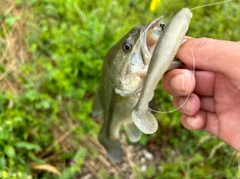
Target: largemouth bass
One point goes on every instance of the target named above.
(123, 73)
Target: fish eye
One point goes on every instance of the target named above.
(127, 47)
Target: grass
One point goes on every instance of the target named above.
(50, 61)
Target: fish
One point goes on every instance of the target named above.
(123, 73)
(165, 50)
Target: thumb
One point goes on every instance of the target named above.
(212, 55)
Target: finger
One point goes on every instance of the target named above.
(178, 82)
(212, 123)
(210, 55)
(192, 104)
(205, 83)
(196, 122)
(189, 105)
(209, 122)
(202, 120)
(207, 104)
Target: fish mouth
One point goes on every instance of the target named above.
(148, 40)
(149, 37)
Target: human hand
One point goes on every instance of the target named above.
(214, 102)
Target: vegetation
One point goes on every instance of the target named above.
(51, 54)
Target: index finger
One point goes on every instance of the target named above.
(212, 55)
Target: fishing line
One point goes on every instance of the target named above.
(211, 4)
(188, 96)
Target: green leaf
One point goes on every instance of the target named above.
(2, 68)
(27, 145)
(9, 150)
(2, 162)
(32, 95)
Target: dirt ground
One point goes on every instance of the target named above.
(134, 154)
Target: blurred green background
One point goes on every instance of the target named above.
(51, 54)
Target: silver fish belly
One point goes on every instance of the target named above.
(123, 73)
(165, 51)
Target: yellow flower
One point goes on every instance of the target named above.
(4, 174)
(154, 4)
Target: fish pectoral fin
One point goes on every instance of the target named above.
(121, 92)
(113, 148)
(126, 93)
(132, 131)
(97, 106)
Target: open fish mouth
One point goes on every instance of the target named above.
(149, 37)
(148, 40)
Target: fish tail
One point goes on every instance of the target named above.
(113, 148)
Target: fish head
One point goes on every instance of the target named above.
(128, 60)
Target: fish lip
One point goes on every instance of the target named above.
(146, 53)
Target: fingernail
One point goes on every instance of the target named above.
(184, 104)
(184, 40)
(177, 82)
(191, 122)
